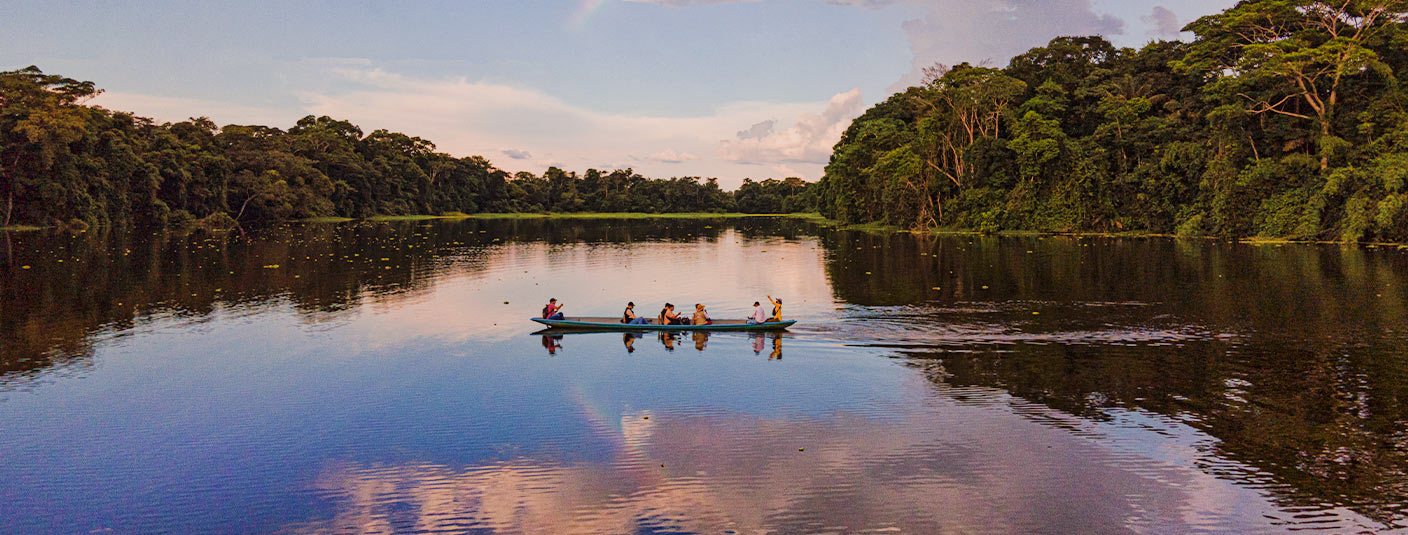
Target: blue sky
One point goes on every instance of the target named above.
(726, 88)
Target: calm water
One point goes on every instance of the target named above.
(383, 378)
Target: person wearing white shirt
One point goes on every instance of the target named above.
(759, 315)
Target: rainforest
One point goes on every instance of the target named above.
(1282, 118)
(73, 165)
(1278, 119)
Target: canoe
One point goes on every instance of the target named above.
(615, 325)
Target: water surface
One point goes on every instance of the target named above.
(383, 378)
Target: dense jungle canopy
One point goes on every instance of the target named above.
(1281, 118)
(64, 162)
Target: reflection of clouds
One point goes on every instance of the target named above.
(968, 468)
(468, 301)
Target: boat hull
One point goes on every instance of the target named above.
(610, 325)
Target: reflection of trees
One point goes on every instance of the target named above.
(1325, 288)
(1309, 384)
(1327, 422)
(79, 285)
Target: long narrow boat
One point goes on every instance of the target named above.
(615, 325)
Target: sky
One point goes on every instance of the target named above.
(713, 88)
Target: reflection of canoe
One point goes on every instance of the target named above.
(615, 325)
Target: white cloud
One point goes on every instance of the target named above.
(687, 3)
(176, 109)
(1164, 23)
(809, 140)
(671, 156)
(761, 129)
(524, 129)
(466, 117)
(954, 31)
(873, 4)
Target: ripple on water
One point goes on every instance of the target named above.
(375, 379)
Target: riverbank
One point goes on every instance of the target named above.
(550, 215)
(808, 216)
(567, 215)
(1133, 234)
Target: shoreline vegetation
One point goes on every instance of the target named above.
(806, 216)
(590, 215)
(1280, 121)
(64, 163)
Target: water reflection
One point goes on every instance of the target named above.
(552, 343)
(60, 292)
(1180, 384)
(759, 341)
(848, 473)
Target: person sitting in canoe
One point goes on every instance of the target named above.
(776, 309)
(552, 311)
(668, 316)
(629, 316)
(701, 316)
(759, 315)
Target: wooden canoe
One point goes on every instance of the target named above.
(615, 325)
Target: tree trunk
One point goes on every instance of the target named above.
(1324, 134)
(10, 189)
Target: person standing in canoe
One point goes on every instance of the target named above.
(759, 315)
(552, 311)
(776, 309)
(629, 316)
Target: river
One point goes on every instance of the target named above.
(384, 378)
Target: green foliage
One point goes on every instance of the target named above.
(1283, 118)
(62, 161)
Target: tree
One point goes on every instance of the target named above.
(1292, 57)
(40, 115)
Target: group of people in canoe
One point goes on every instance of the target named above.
(668, 315)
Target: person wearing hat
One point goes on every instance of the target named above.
(701, 316)
(629, 316)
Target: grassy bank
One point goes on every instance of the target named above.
(568, 215)
(1128, 234)
(640, 215)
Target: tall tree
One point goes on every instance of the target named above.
(1292, 57)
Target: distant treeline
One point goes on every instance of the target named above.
(63, 162)
(1283, 118)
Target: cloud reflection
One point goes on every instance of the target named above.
(976, 468)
